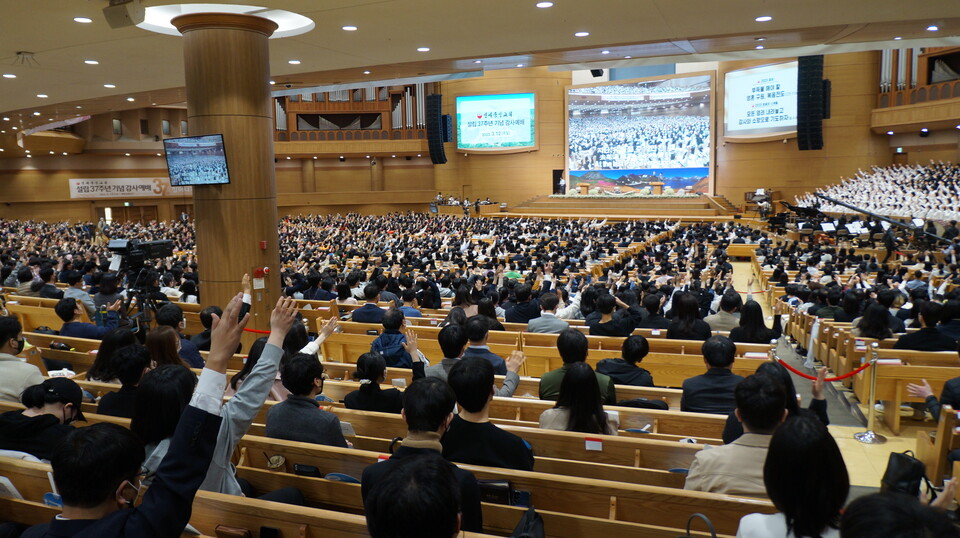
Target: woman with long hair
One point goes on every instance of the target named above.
(753, 329)
(104, 368)
(579, 406)
(487, 308)
(278, 392)
(371, 372)
(686, 324)
(163, 342)
(807, 481)
(875, 323)
(456, 316)
(462, 298)
(344, 296)
(189, 292)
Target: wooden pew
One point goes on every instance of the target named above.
(933, 446)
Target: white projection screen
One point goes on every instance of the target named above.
(624, 135)
(760, 102)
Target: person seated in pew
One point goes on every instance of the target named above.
(752, 328)
(653, 303)
(726, 319)
(891, 300)
(806, 479)
(391, 344)
(410, 308)
(734, 469)
(74, 290)
(278, 392)
(471, 437)
(453, 342)
(369, 312)
(874, 323)
(418, 498)
(686, 324)
(526, 308)
(202, 339)
(105, 368)
(894, 515)
(163, 344)
(626, 370)
(69, 310)
(132, 363)
(50, 407)
(612, 322)
(371, 372)
(299, 417)
(928, 338)
(950, 395)
(16, 374)
(548, 322)
(712, 392)
(98, 471)
(950, 324)
(579, 407)
(573, 347)
(47, 285)
(818, 405)
(478, 330)
(170, 315)
(487, 307)
(160, 403)
(428, 411)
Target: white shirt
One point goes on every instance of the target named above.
(772, 526)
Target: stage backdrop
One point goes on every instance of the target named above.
(624, 135)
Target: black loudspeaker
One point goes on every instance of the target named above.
(447, 124)
(737, 217)
(596, 72)
(435, 129)
(827, 90)
(810, 103)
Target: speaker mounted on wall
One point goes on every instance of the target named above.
(597, 73)
(434, 103)
(810, 103)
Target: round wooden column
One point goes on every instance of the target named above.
(227, 67)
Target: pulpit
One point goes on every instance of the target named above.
(657, 188)
(584, 188)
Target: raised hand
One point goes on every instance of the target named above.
(282, 318)
(225, 334)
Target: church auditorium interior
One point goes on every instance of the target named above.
(528, 268)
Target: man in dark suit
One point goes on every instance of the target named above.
(428, 410)
(928, 338)
(652, 303)
(712, 392)
(97, 468)
(526, 308)
(477, 329)
(69, 310)
(369, 312)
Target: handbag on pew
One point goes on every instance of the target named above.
(698, 515)
(905, 474)
(530, 525)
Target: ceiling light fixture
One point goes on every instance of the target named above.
(293, 62)
(42, 95)
(159, 155)
(366, 72)
(581, 34)
(9, 75)
(5, 118)
(924, 130)
(110, 86)
(759, 39)
(36, 113)
(890, 133)
(759, 47)
(64, 153)
(131, 99)
(82, 20)
(897, 38)
(423, 49)
(272, 82)
(933, 28)
(91, 62)
(78, 106)
(604, 52)
(519, 65)
(627, 57)
(544, 5)
(126, 154)
(478, 61)
(349, 28)
(764, 18)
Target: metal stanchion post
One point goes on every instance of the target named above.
(870, 437)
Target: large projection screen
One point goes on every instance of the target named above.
(623, 136)
(760, 102)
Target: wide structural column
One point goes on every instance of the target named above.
(226, 60)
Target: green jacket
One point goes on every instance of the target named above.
(550, 386)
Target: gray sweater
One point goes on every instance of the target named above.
(238, 413)
(510, 381)
(299, 418)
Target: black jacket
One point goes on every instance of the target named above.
(654, 322)
(471, 517)
(166, 506)
(700, 331)
(624, 373)
(950, 396)
(39, 435)
(926, 339)
(711, 392)
(118, 403)
(523, 312)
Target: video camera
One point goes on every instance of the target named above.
(134, 253)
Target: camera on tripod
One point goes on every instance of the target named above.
(134, 253)
(130, 259)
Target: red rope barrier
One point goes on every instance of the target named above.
(808, 376)
(256, 331)
(749, 292)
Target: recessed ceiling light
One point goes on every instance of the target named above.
(91, 62)
(29, 156)
(110, 86)
(423, 49)
(890, 133)
(131, 99)
(51, 153)
(349, 28)
(14, 128)
(368, 156)
(604, 52)
(627, 57)
(759, 39)
(933, 28)
(42, 95)
(82, 20)
(478, 61)
(393, 155)
(49, 119)
(581, 34)
(519, 65)
(27, 150)
(78, 106)
(293, 62)
(543, 5)
(9, 75)
(366, 72)
(3, 132)
(315, 157)
(6, 118)
(897, 38)
(288, 158)
(958, 127)
(924, 130)
(272, 82)
(759, 47)
(126, 154)
(36, 113)
(764, 18)
(64, 152)
(159, 155)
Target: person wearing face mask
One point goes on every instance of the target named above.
(50, 407)
(15, 373)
